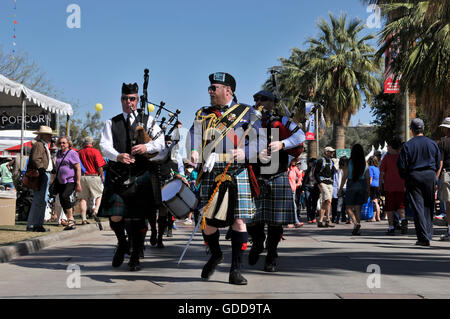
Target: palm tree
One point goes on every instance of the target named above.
(345, 66)
(335, 69)
(419, 31)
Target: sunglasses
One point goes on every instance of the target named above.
(131, 98)
(213, 88)
(261, 99)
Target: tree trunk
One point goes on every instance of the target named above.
(312, 153)
(401, 115)
(339, 135)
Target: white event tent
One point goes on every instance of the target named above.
(13, 94)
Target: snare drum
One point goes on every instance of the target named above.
(178, 198)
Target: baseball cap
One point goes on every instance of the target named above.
(416, 124)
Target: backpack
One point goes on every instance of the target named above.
(326, 169)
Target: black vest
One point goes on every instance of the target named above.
(121, 136)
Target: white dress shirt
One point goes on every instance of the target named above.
(106, 140)
(295, 139)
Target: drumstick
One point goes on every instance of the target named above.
(200, 220)
(190, 238)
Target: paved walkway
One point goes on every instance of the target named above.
(317, 263)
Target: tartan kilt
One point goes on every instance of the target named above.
(277, 207)
(245, 205)
(148, 197)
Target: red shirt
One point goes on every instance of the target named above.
(91, 159)
(392, 180)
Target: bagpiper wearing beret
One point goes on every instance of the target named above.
(275, 206)
(130, 182)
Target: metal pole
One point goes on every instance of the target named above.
(22, 129)
(317, 132)
(67, 126)
(407, 114)
(317, 122)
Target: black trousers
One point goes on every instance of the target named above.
(420, 188)
(312, 196)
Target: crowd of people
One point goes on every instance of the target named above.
(239, 186)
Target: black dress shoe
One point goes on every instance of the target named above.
(134, 265)
(422, 243)
(153, 239)
(270, 266)
(404, 227)
(236, 278)
(356, 230)
(390, 232)
(160, 244)
(211, 265)
(228, 234)
(169, 233)
(254, 253)
(41, 229)
(119, 255)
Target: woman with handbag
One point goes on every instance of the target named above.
(37, 178)
(67, 181)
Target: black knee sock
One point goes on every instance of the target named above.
(135, 228)
(169, 221)
(119, 230)
(152, 221)
(162, 223)
(238, 245)
(256, 232)
(273, 238)
(212, 241)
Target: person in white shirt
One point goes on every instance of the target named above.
(131, 182)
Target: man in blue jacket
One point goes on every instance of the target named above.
(418, 164)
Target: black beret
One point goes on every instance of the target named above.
(130, 88)
(266, 94)
(223, 78)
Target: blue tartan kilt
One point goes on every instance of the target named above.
(277, 206)
(245, 203)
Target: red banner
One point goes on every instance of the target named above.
(391, 86)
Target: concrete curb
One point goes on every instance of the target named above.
(30, 246)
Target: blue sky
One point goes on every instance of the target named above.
(181, 42)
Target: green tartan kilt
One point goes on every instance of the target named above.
(276, 206)
(148, 198)
(245, 203)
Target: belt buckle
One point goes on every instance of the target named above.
(224, 157)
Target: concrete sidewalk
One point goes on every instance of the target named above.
(317, 263)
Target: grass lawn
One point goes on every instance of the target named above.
(16, 233)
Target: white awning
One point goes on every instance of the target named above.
(10, 94)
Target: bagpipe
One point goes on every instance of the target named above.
(276, 121)
(142, 134)
(126, 177)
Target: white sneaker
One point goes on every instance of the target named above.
(188, 222)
